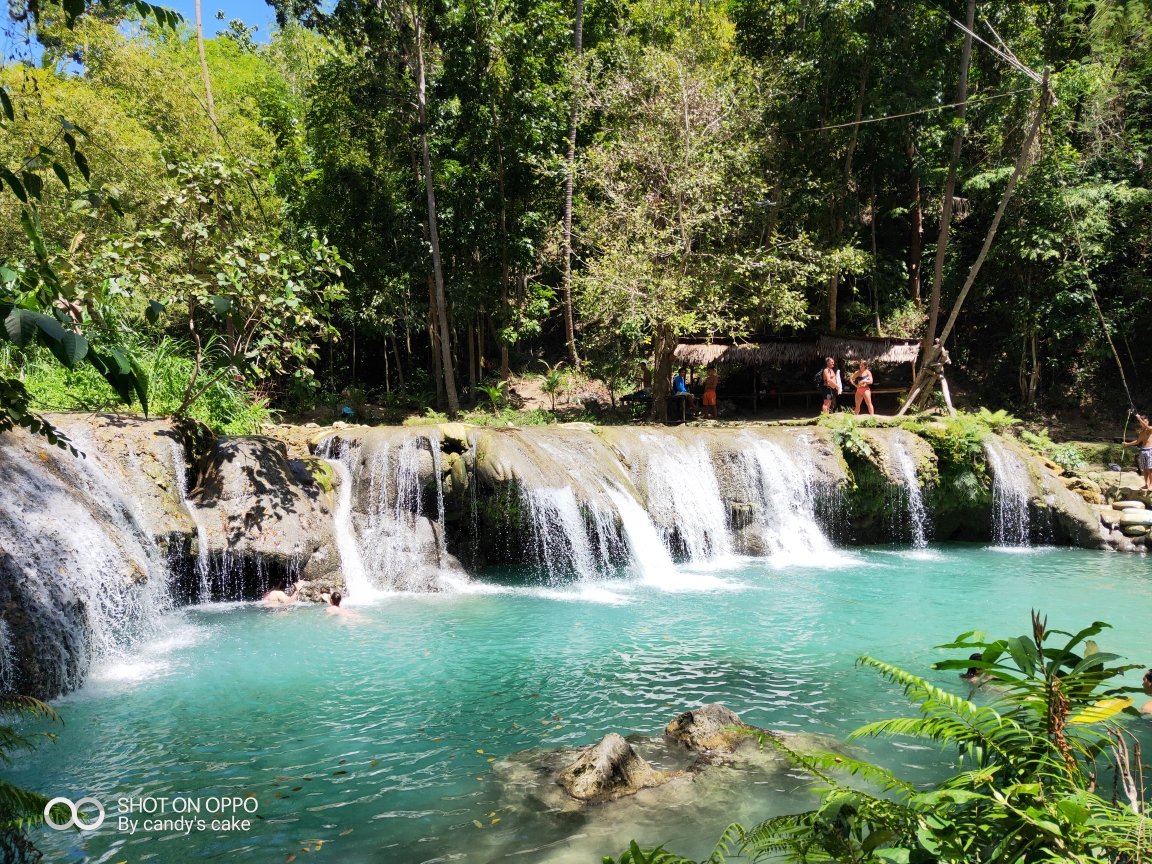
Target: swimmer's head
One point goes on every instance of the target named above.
(336, 598)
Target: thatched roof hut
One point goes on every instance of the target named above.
(797, 350)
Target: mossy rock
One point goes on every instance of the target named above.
(311, 469)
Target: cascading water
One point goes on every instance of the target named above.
(400, 547)
(356, 585)
(645, 547)
(558, 535)
(684, 498)
(86, 578)
(913, 497)
(782, 492)
(1011, 492)
(202, 556)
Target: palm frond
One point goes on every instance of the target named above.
(20, 807)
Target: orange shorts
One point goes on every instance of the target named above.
(709, 397)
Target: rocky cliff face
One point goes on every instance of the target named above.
(94, 549)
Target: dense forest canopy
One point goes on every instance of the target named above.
(379, 204)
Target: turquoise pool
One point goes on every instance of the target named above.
(395, 713)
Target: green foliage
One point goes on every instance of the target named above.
(997, 421)
(227, 408)
(1027, 766)
(495, 394)
(553, 382)
(20, 808)
(846, 434)
(1068, 456)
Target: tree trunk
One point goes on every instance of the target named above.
(920, 386)
(471, 364)
(387, 376)
(566, 291)
(949, 186)
(663, 344)
(434, 342)
(916, 234)
(833, 292)
(399, 368)
(441, 305)
(204, 69)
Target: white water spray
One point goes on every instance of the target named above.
(356, 585)
(782, 489)
(913, 497)
(684, 498)
(1011, 492)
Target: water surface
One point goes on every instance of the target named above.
(414, 696)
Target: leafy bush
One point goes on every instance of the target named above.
(1027, 769)
(1068, 456)
(227, 408)
(846, 435)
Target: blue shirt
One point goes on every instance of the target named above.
(679, 385)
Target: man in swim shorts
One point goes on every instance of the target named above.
(829, 385)
(1143, 440)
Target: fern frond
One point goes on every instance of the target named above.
(20, 807)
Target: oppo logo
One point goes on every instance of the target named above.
(75, 810)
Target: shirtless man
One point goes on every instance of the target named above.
(334, 607)
(829, 385)
(1143, 440)
(277, 596)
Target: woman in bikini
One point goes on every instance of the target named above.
(862, 380)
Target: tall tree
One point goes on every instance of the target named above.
(577, 39)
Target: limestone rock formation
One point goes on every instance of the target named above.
(713, 727)
(607, 771)
(266, 515)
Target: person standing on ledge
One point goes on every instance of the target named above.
(861, 379)
(710, 393)
(829, 385)
(1143, 440)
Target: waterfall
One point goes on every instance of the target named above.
(645, 547)
(782, 491)
(684, 498)
(558, 535)
(202, 556)
(88, 579)
(397, 544)
(356, 585)
(913, 498)
(1011, 492)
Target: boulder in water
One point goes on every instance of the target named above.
(713, 728)
(607, 771)
(1127, 505)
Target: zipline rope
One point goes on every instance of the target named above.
(1092, 290)
(976, 99)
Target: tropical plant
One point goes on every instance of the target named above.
(1029, 766)
(998, 421)
(20, 807)
(553, 381)
(495, 393)
(846, 435)
(1068, 456)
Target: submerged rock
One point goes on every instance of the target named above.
(607, 771)
(713, 727)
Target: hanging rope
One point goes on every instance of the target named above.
(1092, 289)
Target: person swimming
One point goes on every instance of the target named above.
(973, 674)
(277, 596)
(334, 607)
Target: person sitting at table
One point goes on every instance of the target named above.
(680, 388)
